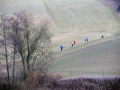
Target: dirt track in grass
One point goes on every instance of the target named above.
(99, 59)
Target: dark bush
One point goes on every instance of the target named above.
(118, 9)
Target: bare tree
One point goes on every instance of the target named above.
(4, 28)
(17, 41)
(32, 42)
(30, 39)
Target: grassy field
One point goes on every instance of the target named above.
(70, 20)
(99, 59)
(77, 19)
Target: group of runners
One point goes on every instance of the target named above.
(86, 39)
(72, 43)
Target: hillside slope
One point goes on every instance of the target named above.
(69, 19)
(100, 59)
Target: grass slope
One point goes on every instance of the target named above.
(70, 20)
(76, 19)
(100, 59)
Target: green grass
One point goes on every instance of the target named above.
(70, 20)
(76, 19)
(97, 60)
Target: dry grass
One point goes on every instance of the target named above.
(69, 20)
(100, 59)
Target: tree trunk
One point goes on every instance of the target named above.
(6, 55)
(24, 67)
(14, 65)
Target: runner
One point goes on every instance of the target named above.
(85, 40)
(102, 36)
(61, 47)
(74, 42)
